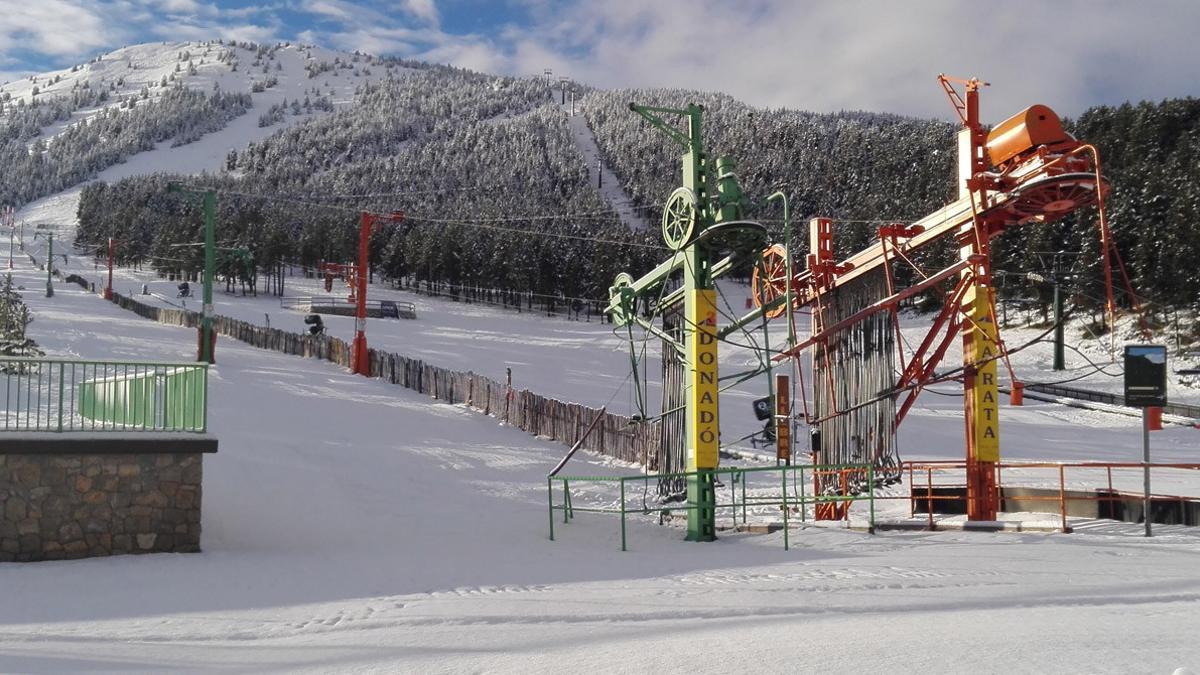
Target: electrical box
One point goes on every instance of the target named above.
(1145, 376)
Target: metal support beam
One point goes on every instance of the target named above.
(981, 403)
(206, 335)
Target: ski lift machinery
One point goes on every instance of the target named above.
(1027, 169)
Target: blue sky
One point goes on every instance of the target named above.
(879, 55)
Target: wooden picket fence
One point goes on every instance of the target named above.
(615, 436)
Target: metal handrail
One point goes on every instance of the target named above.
(922, 493)
(106, 362)
(73, 395)
(736, 476)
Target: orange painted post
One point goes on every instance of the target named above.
(1062, 495)
(979, 335)
(929, 494)
(783, 420)
(912, 491)
(1018, 393)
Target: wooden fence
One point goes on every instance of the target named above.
(615, 436)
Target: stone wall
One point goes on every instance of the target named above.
(57, 505)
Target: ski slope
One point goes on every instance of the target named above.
(599, 173)
(145, 65)
(354, 526)
(589, 363)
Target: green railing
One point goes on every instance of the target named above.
(790, 489)
(66, 395)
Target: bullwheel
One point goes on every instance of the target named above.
(769, 280)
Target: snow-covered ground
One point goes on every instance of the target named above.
(590, 363)
(354, 526)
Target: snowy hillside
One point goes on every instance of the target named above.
(286, 84)
(289, 72)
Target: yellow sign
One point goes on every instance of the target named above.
(703, 432)
(985, 395)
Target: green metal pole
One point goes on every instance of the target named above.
(733, 496)
(744, 521)
(697, 291)
(871, 494)
(550, 499)
(210, 237)
(623, 514)
(50, 267)
(787, 245)
(702, 496)
(61, 387)
(803, 497)
(785, 509)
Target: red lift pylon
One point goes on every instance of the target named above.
(360, 361)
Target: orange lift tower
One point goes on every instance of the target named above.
(980, 347)
(1026, 170)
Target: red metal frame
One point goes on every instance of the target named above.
(344, 271)
(988, 204)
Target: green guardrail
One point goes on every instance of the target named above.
(791, 477)
(69, 395)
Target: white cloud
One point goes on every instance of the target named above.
(851, 54)
(334, 9)
(864, 55)
(59, 28)
(207, 30)
(424, 10)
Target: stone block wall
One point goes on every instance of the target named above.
(60, 505)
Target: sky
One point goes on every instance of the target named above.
(821, 56)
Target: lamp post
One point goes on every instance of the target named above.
(360, 362)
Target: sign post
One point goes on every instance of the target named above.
(783, 420)
(1146, 387)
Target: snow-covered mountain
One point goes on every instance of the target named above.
(449, 146)
(142, 73)
(285, 83)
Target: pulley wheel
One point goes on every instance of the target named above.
(621, 297)
(770, 279)
(679, 218)
(1053, 197)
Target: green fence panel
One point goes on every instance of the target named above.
(64, 395)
